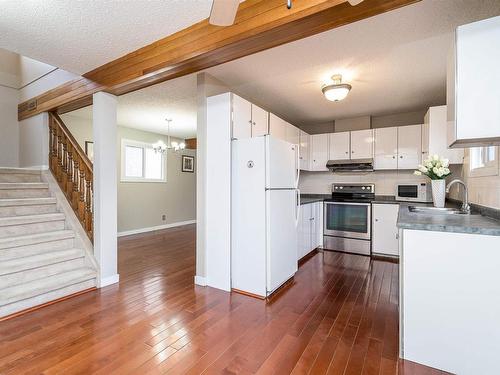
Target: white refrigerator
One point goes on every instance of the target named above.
(265, 204)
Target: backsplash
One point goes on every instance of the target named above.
(484, 191)
(385, 181)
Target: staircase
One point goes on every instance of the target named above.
(44, 253)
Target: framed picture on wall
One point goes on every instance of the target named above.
(89, 150)
(188, 163)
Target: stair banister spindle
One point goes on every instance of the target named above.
(76, 182)
(69, 182)
(88, 202)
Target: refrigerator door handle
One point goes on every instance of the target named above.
(297, 208)
(298, 165)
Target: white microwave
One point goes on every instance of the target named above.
(414, 192)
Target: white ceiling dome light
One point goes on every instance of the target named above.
(337, 90)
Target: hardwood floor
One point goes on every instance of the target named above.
(339, 317)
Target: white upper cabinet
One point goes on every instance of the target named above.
(362, 144)
(242, 118)
(386, 148)
(425, 137)
(434, 139)
(409, 146)
(473, 85)
(292, 134)
(339, 146)
(304, 150)
(249, 120)
(277, 127)
(260, 124)
(319, 152)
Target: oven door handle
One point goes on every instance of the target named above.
(350, 203)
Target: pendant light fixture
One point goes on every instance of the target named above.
(161, 147)
(337, 90)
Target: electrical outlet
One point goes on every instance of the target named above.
(164, 217)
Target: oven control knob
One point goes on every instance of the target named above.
(341, 187)
(363, 188)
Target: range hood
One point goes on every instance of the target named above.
(354, 165)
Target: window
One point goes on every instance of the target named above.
(140, 163)
(483, 161)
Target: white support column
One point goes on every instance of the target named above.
(105, 187)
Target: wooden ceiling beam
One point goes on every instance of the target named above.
(259, 25)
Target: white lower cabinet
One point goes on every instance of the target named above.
(385, 238)
(310, 228)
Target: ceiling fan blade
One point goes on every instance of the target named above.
(223, 12)
(354, 2)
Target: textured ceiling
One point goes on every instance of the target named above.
(147, 109)
(396, 62)
(79, 36)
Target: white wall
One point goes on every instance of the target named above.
(141, 205)
(31, 70)
(9, 127)
(33, 132)
(34, 142)
(46, 83)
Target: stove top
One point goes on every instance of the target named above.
(353, 192)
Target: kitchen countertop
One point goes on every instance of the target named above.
(472, 224)
(312, 198)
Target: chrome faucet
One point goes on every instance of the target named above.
(465, 203)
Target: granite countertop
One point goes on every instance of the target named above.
(473, 224)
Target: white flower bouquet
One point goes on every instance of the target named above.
(435, 168)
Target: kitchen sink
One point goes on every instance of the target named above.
(437, 210)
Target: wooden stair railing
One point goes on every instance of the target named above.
(72, 169)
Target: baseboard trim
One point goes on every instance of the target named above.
(309, 255)
(37, 307)
(158, 227)
(200, 280)
(113, 279)
(248, 294)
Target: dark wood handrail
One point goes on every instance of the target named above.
(74, 142)
(73, 171)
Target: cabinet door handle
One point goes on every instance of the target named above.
(376, 219)
(394, 157)
(249, 121)
(401, 157)
(347, 152)
(253, 123)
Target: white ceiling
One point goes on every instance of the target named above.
(147, 109)
(79, 36)
(396, 62)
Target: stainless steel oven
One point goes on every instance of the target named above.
(347, 219)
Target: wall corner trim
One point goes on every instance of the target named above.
(200, 280)
(113, 279)
(158, 227)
